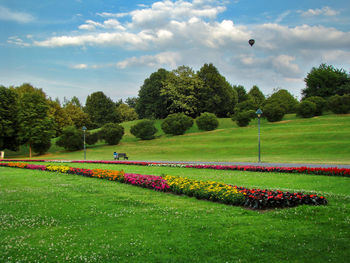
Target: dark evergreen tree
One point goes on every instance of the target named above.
(150, 103)
(326, 81)
(217, 95)
(101, 109)
(256, 96)
(9, 126)
(284, 99)
(241, 93)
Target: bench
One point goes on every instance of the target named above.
(121, 155)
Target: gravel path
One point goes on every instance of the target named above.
(259, 164)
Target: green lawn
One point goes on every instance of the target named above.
(51, 217)
(324, 139)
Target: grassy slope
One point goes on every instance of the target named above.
(324, 139)
(54, 217)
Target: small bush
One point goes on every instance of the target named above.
(112, 133)
(306, 109)
(144, 130)
(273, 112)
(176, 124)
(320, 102)
(71, 139)
(243, 118)
(339, 104)
(207, 121)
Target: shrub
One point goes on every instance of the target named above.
(306, 109)
(144, 130)
(176, 124)
(112, 133)
(92, 138)
(71, 139)
(207, 121)
(273, 112)
(320, 104)
(339, 104)
(243, 118)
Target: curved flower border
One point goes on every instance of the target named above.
(332, 171)
(213, 191)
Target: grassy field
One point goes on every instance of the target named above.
(50, 217)
(324, 139)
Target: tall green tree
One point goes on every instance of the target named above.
(241, 93)
(59, 116)
(101, 109)
(326, 81)
(217, 95)
(150, 104)
(284, 99)
(256, 96)
(36, 127)
(9, 126)
(77, 115)
(181, 91)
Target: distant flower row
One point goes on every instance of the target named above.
(332, 171)
(208, 190)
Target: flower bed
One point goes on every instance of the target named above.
(332, 171)
(213, 191)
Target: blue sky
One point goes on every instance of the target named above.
(76, 47)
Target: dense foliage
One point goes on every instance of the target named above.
(71, 139)
(273, 112)
(339, 104)
(321, 104)
(243, 118)
(9, 126)
(326, 81)
(176, 124)
(145, 130)
(306, 109)
(112, 133)
(101, 109)
(284, 99)
(207, 121)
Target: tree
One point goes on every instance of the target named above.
(101, 109)
(131, 102)
(326, 81)
(284, 99)
(243, 118)
(273, 111)
(78, 116)
(150, 103)
(176, 124)
(241, 93)
(71, 139)
(339, 104)
(145, 130)
(126, 113)
(320, 102)
(306, 109)
(36, 128)
(59, 116)
(9, 126)
(207, 121)
(181, 91)
(217, 95)
(112, 133)
(256, 96)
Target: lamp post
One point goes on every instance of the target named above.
(84, 129)
(259, 112)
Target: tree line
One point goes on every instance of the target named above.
(29, 117)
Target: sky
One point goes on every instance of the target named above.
(77, 47)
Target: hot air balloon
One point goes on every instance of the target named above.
(251, 42)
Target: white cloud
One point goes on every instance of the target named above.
(80, 66)
(15, 40)
(326, 11)
(19, 17)
(169, 59)
(91, 25)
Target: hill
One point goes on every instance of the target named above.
(324, 139)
